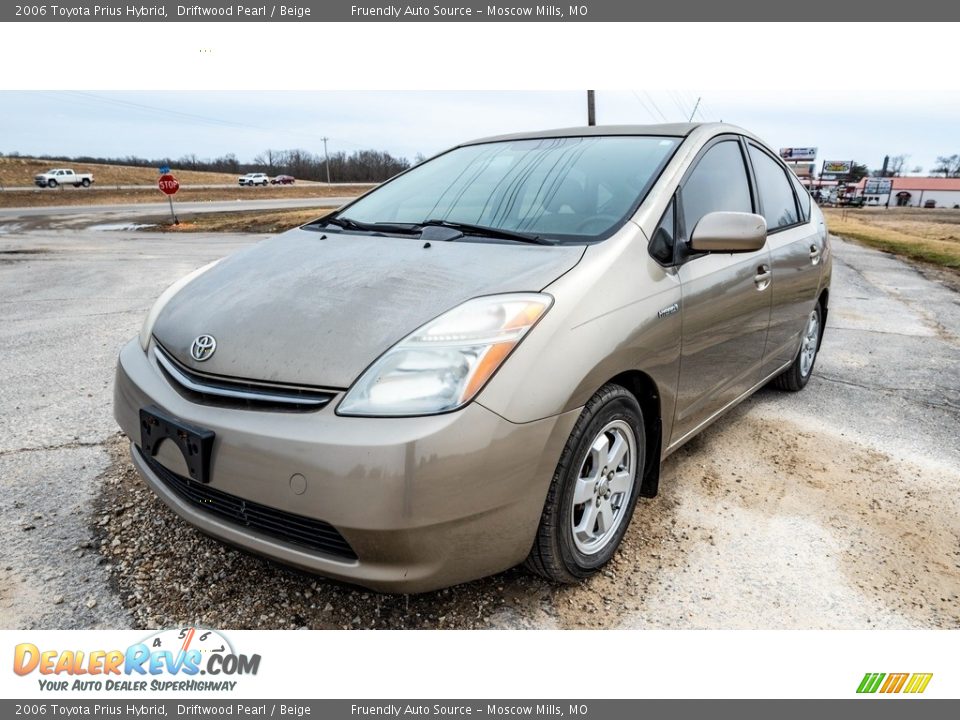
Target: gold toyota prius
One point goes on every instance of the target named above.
(483, 361)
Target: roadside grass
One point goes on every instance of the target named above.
(926, 235)
(81, 196)
(20, 171)
(273, 221)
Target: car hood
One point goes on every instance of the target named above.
(306, 308)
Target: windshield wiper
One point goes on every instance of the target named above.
(416, 228)
(484, 231)
(351, 224)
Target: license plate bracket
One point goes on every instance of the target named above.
(195, 443)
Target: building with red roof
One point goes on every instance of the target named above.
(914, 192)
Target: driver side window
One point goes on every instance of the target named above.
(718, 182)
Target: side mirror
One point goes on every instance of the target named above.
(729, 232)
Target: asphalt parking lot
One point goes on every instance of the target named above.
(833, 508)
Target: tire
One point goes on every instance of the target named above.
(85, 183)
(51, 183)
(796, 377)
(565, 554)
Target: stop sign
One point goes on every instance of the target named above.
(168, 184)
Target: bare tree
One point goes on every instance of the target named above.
(896, 165)
(947, 165)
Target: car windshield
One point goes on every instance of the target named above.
(571, 189)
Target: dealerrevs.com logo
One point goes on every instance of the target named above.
(185, 659)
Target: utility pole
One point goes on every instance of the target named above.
(326, 158)
(694, 110)
(591, 109)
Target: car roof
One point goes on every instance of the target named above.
(664, 129)
(679, 130)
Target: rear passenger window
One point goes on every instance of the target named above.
(776, 195)
(718, 182)
(661, 244)
(803, 196)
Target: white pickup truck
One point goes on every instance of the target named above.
(63, 176)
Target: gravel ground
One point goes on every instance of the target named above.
(832, 508)
(757, 527)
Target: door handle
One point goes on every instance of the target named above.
(762, 278)
(814, 254)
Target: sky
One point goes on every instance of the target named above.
(847, 125)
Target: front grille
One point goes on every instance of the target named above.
(243, 394)
(297, 530)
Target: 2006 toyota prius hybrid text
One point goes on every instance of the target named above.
(482, 361)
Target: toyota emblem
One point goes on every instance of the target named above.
(203, 348)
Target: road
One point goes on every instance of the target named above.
(85, 214)
(832, 508)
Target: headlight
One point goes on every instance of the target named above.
(147, 330)
(445, 363)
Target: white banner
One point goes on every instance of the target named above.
(458, 664)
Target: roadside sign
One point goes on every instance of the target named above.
(799, 154)
(837, 167)
(878, 186)
(165, 170)
(168, 184)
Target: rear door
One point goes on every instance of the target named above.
(726, 296)
(795, 250)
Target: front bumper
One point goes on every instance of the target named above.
(424, 502)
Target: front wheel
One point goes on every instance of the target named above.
(796, 377)
(594, 489)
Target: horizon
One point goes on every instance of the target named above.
(166, 124)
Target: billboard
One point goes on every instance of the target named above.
(837, 167)
(802, 170)
(798, 154)
(878, 186)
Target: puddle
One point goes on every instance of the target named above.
(121, 226)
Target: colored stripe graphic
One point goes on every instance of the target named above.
(894, 683)
(918, 683)
(870, 682)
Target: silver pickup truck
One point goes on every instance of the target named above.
(63, 176)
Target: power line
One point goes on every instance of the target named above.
(167, 111)
(655, 106)
(675, 97)
(645, 106)
(708, 109)
(77, 95)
